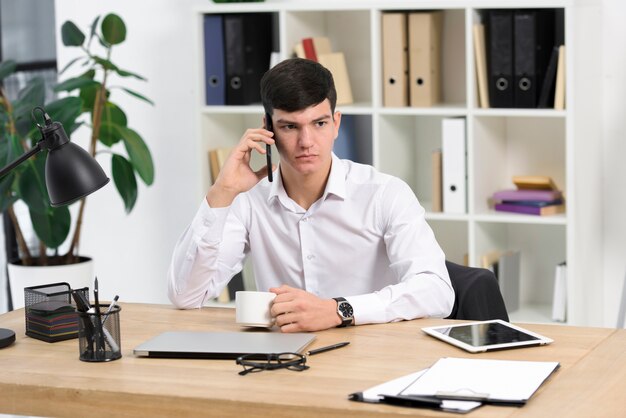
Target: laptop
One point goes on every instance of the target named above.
(221, 345)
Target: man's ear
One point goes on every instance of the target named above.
(336, 122)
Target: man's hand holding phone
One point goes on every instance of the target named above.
(236, 175)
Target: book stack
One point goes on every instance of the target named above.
(535, 195)
(52, 321)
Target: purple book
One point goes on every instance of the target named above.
(530, 210)
(528, 195)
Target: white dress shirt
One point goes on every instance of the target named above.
(366, 239)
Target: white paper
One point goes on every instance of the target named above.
(492, 379)
(395, 386)
(392, 387)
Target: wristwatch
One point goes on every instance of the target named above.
(345, 312)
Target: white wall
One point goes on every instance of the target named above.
(132, 252)
(614, 138)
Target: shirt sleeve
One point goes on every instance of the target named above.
(201, 265)
(415, 257)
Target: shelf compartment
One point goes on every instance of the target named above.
(507, 146)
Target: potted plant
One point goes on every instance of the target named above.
(90, 95)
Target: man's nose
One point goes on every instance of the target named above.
(305, 138)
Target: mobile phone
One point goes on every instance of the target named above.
(268, 148)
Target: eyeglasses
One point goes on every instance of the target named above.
(253, 363)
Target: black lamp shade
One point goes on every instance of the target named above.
(71, 174)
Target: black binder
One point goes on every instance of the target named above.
(533, 42)
(546, 97)
(248, 47)
(500, 57)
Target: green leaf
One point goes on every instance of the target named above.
(52, 226)
(137, 95)
(75, 83)
(139, 155)
(71, 35)
(88, 95)
(105, 63)
(7, 198)
(7, 68)
(32, 187)
(113, 29)
(124, 179)
(94, 27)
(66, 111)
(125, 73)
(69, 64)
(28, 98)
(113, 118)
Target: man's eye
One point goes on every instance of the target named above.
(288, 127)
(321, 123)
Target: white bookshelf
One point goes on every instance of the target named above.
(500, 142)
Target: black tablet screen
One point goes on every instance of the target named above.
(491, 333)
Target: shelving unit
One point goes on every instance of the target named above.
(500, 142)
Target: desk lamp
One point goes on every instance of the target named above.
(71, 174)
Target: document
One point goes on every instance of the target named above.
(491, 381)
(384, 392)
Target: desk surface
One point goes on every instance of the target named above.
(44, 379)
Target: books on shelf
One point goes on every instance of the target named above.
(559, 298)
(530, 209)
(534, 183)
(480, 56)
(319, 49)
(505, 265)
(437, 181)
(535, 195)
(528, 195)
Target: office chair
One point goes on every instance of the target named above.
(477, 294)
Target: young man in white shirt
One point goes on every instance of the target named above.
(338, 242)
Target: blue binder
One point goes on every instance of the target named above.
(345, 144)
(214, 60)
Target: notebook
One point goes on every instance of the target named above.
(221, 345)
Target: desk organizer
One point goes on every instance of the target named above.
(50, 312)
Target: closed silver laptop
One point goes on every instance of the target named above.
(221, 345)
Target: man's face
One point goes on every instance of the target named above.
(305, 139)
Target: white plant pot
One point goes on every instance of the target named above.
(78, 275)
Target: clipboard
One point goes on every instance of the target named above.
(389, 393)
(498, 382)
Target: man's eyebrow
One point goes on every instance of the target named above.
(290, 122)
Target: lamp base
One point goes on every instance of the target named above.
(7, 337)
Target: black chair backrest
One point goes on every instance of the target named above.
(477, 294)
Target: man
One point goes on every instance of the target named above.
(337, 242)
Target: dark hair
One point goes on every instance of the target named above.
(295, 84)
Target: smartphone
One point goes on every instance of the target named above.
(268, 148)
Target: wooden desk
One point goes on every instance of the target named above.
(44, 379)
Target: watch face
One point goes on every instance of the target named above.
(346, 310)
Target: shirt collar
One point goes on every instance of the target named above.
(336, 184)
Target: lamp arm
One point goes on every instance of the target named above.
(34, 150)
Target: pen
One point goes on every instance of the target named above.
(327, 348)
(100, 336)
(111, 306)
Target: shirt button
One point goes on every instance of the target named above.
(310, 257)
(305, 219)
(206, 222)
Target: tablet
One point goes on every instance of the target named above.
(481, 336)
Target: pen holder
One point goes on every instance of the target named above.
(99, 335)
(50, 312)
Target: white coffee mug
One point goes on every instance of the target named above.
(253, 308)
